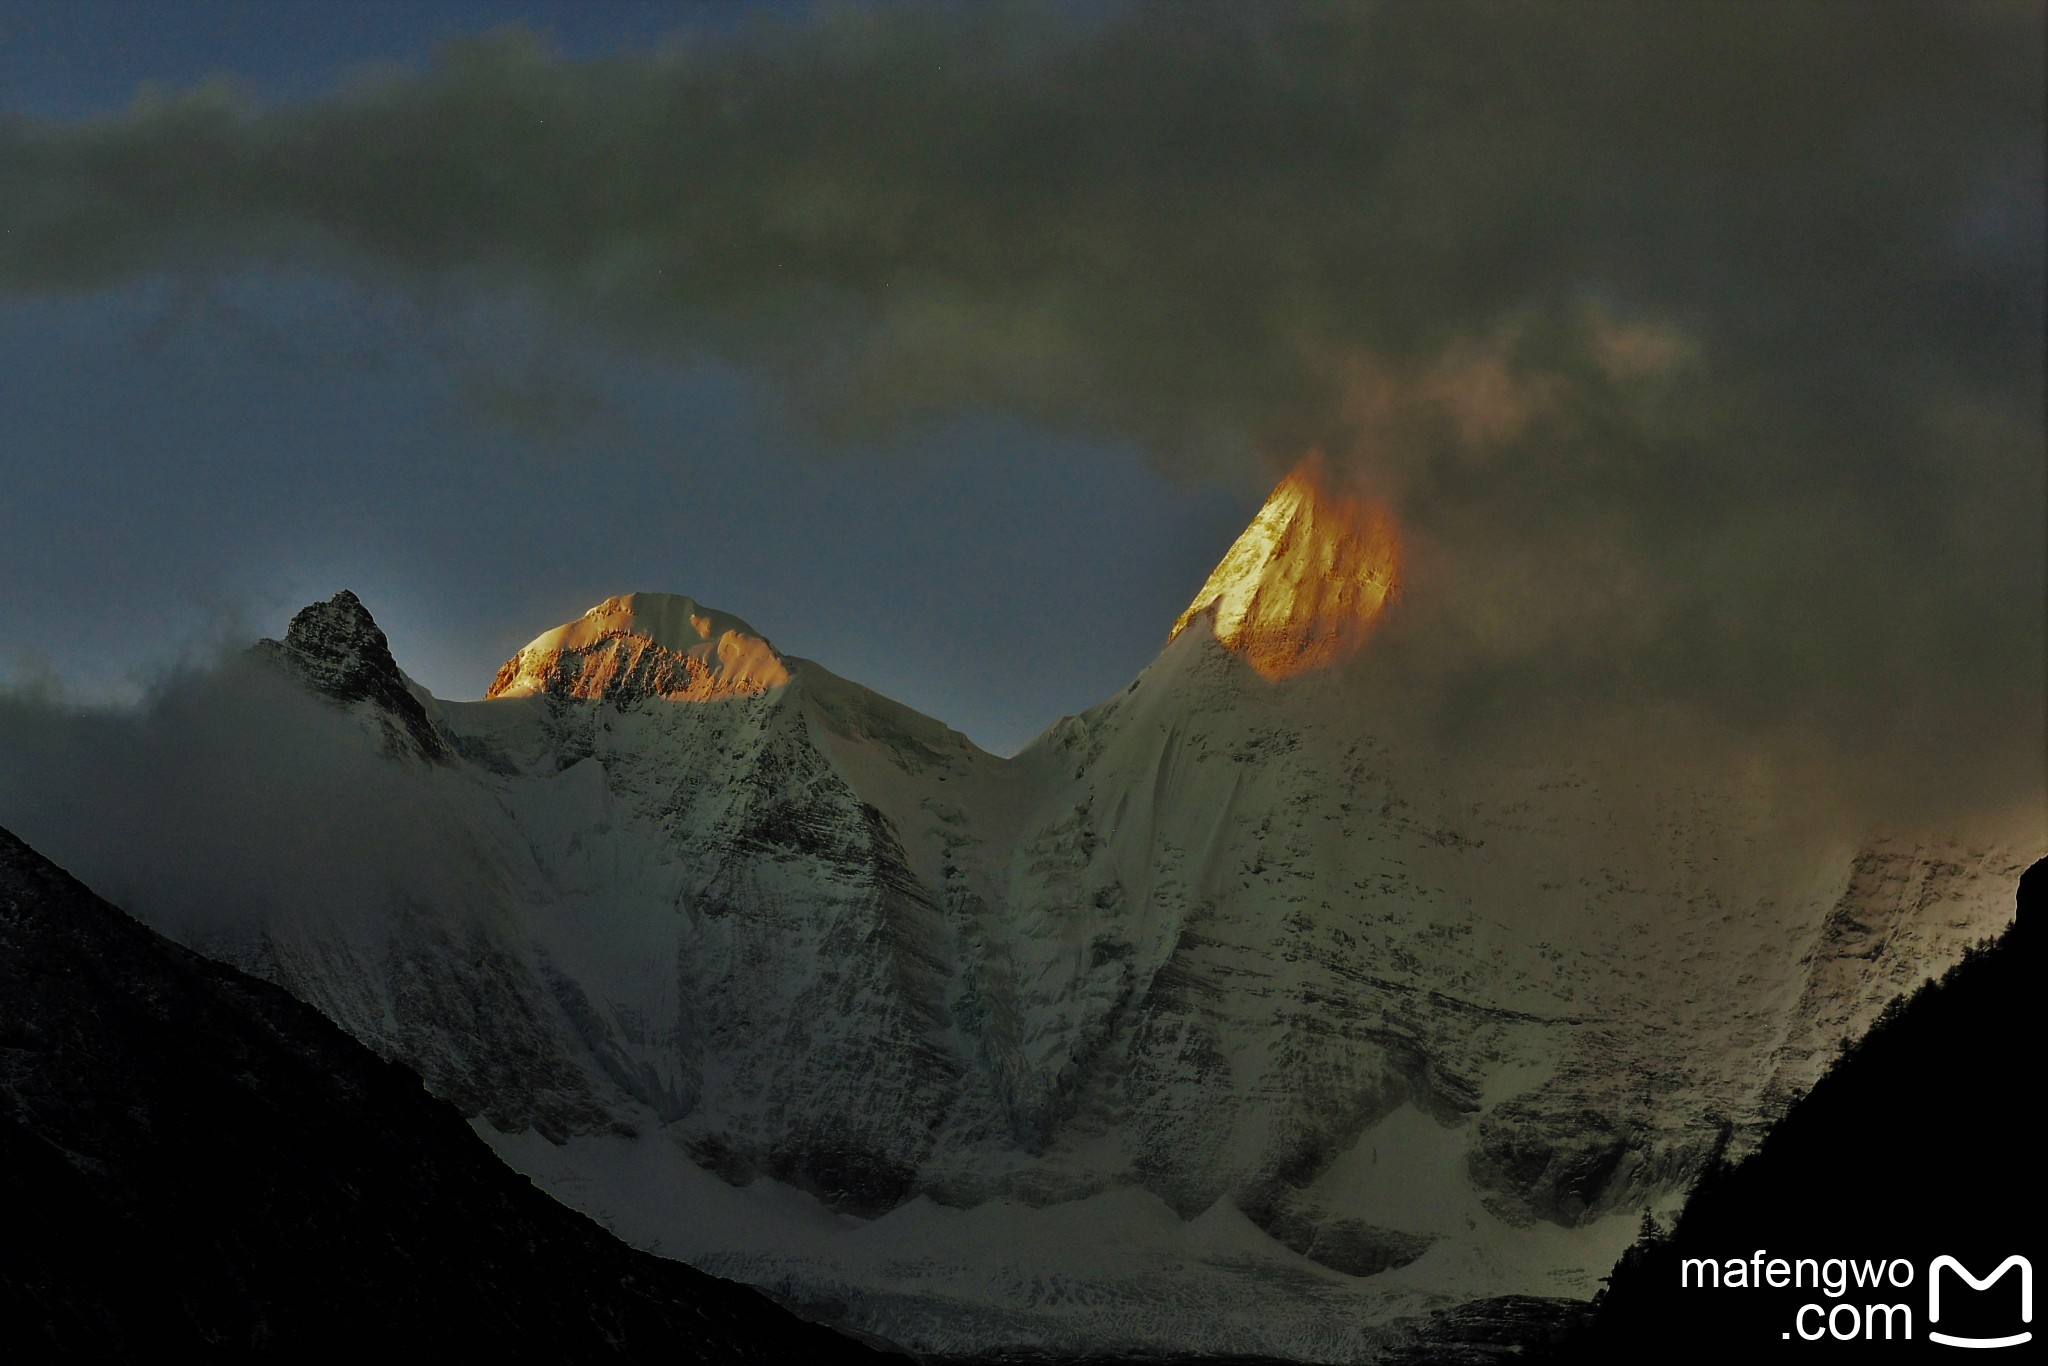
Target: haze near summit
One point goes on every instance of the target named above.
(1695, 352)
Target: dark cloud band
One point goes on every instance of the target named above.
(1698, 347)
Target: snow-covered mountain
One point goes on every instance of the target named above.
(196, 1162)
(1220, 1019)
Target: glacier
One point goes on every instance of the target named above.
(1221, 1019)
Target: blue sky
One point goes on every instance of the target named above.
(75, 58)
(187, 470)
(1695, 349)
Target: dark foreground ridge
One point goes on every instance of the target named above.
(192, 1159)
(1924, 1141)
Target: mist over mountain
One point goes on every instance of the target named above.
(1225, 1018)
(196, 1162)
(1631, 685)
(1696, 354)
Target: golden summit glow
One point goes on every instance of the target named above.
(645, 644)
(1306, 581)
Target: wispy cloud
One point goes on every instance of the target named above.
(1698, 347)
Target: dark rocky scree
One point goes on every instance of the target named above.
(190, 1158)
(341, 653)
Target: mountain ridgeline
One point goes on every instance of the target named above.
(193, 1162)
(1221, 1019)
(1922, 1141)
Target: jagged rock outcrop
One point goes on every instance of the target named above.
(339, 651)
(1306, 581)
(1219, 993)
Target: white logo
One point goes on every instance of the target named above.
(2026, 1299)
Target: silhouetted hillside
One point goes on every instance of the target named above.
(192, 1159)
(1925, 1140)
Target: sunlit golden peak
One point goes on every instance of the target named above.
(1308, 578)
(645, 645)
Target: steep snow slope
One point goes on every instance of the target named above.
(1223, 1018)
(196, 1162)
(1584, 976)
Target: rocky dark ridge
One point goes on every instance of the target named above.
(341, 653)
(1924, 1140)
(1217, 945)
(190, 1158)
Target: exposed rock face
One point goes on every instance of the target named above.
(645, 645)
(1213, 996)
(191, 1159)
(1947, 1078)
(1307, 579)
(340, 652)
